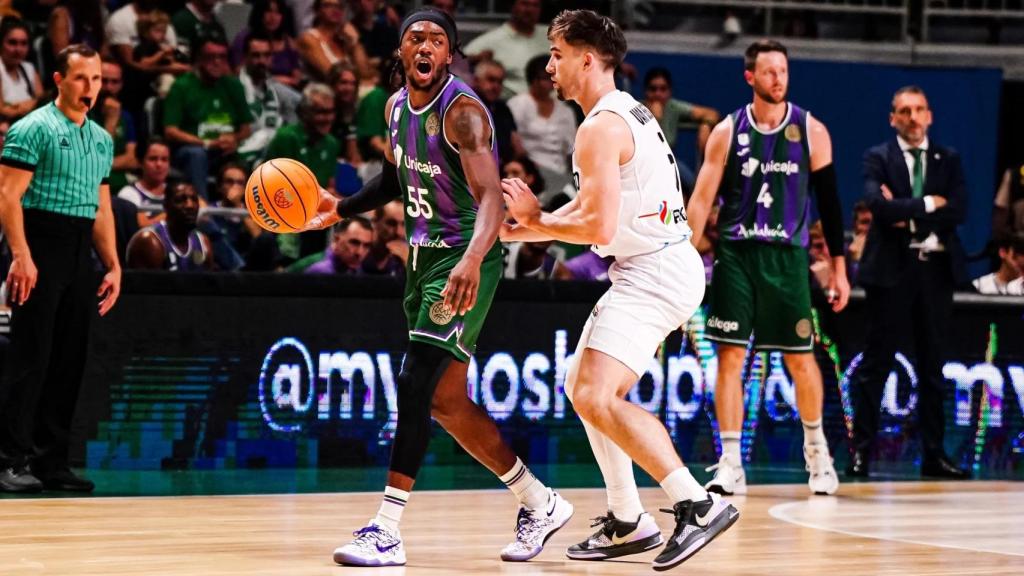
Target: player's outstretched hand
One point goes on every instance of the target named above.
(460, 291)
(521, 203)
(326, 213)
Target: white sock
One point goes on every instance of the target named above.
(530, 491)
(681, 485)
(391, 508)
(617, 470)
(814, 434)
(731, 444)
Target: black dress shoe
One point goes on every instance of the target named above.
(858, 466)
(942, 467)
(19, 479)
(63, 479)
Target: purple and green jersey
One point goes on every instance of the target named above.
(764, 188)
(440, 209)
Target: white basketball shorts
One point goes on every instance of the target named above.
(651, 295)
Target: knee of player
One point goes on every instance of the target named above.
(409, 397)
(731, 359)
(591, 404)
(804, 363)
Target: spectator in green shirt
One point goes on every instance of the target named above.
(196, 20)
(674, 114)
(206, 114)
(309, 141)
(371, 126)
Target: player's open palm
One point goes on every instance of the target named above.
(521, 203)
(21, 279)
(460, 292)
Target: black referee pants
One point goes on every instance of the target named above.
(49, 340)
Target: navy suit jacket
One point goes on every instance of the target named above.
(886, 252)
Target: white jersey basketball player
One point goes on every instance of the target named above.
(630, 206)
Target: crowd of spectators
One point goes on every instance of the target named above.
(198, 92)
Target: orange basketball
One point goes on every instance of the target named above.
(282, 195)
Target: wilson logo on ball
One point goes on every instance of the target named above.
(283, 199)
(261, 211)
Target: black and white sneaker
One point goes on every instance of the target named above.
(616, 538)
(697, 524)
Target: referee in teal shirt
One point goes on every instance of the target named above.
(54, 208)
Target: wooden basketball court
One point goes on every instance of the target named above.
(878, 528)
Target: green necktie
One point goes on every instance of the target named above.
(917, 182)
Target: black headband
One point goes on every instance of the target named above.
(431, 14)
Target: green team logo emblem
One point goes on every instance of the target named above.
(64, 142)
(441, 314)
(101, 148)
(433, 124)
(803, 328)
(792, 133)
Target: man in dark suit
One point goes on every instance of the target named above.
(912, 260)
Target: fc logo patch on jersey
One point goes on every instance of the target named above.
(793, 133)
(433, 125)
(441, 314)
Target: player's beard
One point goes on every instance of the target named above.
(435, 79)
(767, 96)
(437, 75)
(559, 94)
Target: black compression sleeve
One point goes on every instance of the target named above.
(380, 190)
(826, 191)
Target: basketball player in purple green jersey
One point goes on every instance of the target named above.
(443, 159)
(763, 160)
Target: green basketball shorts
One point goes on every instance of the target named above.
(426, 275)
(763, 289)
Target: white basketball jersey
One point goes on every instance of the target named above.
(652, 214)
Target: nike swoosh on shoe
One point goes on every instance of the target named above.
(383, 549)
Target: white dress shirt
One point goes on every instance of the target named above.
(908, 157)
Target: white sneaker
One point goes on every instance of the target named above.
(534, 527)
(729, 477)
(374, 545)
(823, 478)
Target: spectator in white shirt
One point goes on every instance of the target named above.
(1007, 280)
(147, 193)
(122, 29)
(513, 44)
(546, 126)
(19, 82)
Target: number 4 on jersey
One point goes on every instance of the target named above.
(418, 203)
(764, 197)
